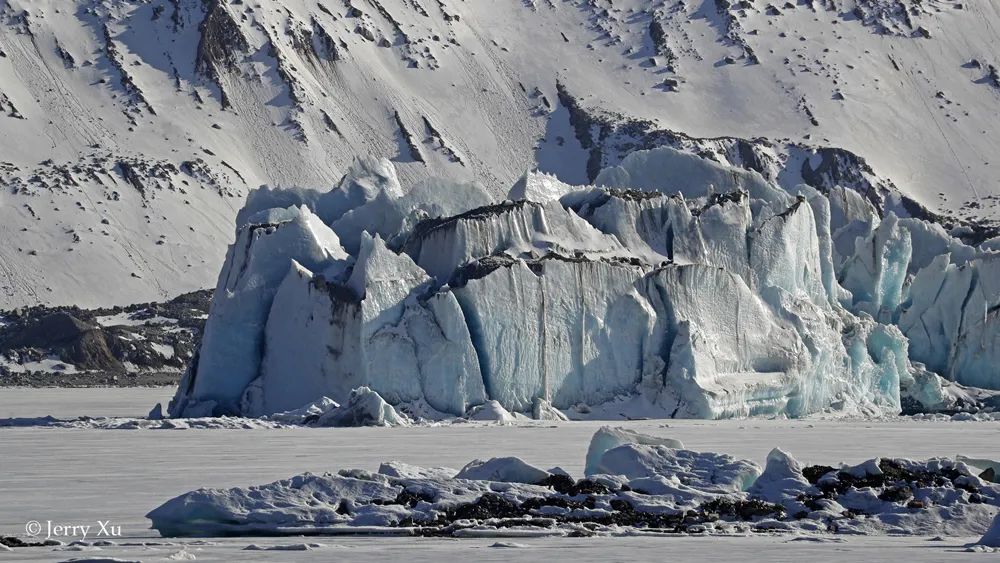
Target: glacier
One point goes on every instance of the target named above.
(707, 290)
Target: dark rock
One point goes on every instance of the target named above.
(490, 505)
(100, 353)
(561, 483)
(900, 493)
(813, 473)
(742, 509)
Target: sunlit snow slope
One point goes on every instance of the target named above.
(132, 129)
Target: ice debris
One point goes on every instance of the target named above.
(504, 470)
(364, 407)
(610, 437)
(992, 536)
(644, 488)
(491, 411)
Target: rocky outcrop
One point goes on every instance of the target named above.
(220, 46)
(139, 344)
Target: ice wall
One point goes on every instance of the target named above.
(952, 319)
(518, 229)
(730, 298)
(266, 247)
(327, 339)
(569, 331)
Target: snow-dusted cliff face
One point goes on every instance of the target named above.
(699, 289)
(131, 130)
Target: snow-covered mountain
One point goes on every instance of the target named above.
(133, 129)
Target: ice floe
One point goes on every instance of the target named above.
(643, 486)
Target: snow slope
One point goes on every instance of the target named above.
(131, 131)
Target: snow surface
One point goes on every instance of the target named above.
(71, 402)
(126, 319)
(237, 458)
(529, 550)
(52, 365)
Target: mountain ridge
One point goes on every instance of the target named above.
(133, 130)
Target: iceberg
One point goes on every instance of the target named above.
(266, 247)
(706, 290)
(692, 176)
(989, 469)
(952, 317)
(364, 407)
(543, 410)
(393, 217)
(517, 229)
(558, 341)
(992, 536)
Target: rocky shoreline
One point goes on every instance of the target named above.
(148, 344)
(96, 379)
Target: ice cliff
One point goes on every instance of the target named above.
(705, 290)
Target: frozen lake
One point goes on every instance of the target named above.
(81, 476)
(69, 402)
(597, 550)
